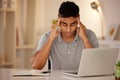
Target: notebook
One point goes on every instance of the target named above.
(96, 62)
(27, 72)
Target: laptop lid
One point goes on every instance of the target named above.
(98, 61)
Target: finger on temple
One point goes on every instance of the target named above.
(58, 25)
(78, 24)
(58, 22)
(58, 28)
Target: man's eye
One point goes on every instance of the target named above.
(73, 24)
(63, 24)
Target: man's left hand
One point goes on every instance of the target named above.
(81, 29)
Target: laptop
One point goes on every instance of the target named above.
(96, 62)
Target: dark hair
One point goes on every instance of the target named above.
(68, 9)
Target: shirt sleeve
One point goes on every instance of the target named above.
(92, 38)
(42, 41)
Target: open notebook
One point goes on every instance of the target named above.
(96, 62)
(33, 72)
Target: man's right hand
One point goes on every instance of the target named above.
(54, 30)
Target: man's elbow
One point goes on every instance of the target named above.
(36, 66)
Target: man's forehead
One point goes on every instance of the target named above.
(68, 19)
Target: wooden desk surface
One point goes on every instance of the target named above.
(7, 74)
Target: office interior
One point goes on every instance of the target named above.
(24, 21)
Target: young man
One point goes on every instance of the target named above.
(64, 47)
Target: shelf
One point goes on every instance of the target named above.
(6, 64)
(10, 10)
(20, 14)
(110, 41)
(25, 47)
(2, 10)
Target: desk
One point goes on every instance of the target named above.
(110, 43)
(7, 74)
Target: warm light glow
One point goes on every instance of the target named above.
(96, 6)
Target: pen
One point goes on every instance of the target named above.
(45, 72)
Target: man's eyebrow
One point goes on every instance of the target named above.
(74, 22)
(63, 22)
(66, 23)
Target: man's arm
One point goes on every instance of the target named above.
(39, 59)
(86, 42)
(82, 33)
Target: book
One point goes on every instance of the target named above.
(4, 4)
(11, 4)
(19, 37)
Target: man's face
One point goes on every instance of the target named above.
(68, 26)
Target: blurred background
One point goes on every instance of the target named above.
(22, 22)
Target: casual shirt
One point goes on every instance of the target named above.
(64, 55)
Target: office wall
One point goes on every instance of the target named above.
(48, 10)
(111, 13)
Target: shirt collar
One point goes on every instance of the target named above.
(61, 40)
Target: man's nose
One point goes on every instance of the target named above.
(68, 28)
